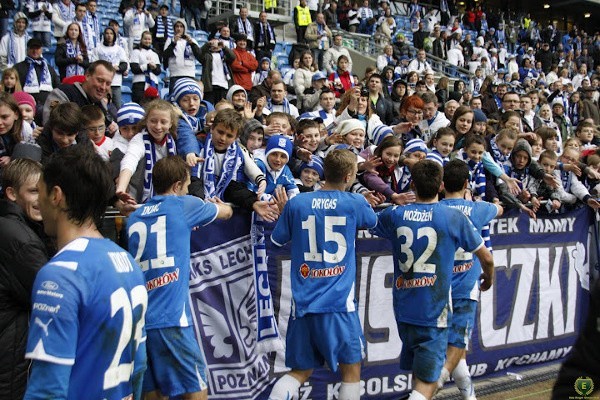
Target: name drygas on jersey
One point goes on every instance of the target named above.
(322, 226)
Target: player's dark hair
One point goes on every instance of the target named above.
(427, 178)
(338, 164)
(168, 171)
(18, 171)
(65, 117)
(456, 172)
(85, 180)
(231, 119)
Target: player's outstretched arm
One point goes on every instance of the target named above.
(487, 264)
(225, 210)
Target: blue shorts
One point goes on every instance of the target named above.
(423, 350)
(461, 325)
(175, 363)
(314, 339)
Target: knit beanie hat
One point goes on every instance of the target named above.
(279, 143)
(349, 125)
(315, 163)
(380, 133)
(24, 98)
(130, 114)
(185, 86)
(415, 145)
(479, 116)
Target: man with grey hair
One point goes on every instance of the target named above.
(449, 108)
(331, 56)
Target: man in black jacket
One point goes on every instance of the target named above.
(380, 105)
(22, 254)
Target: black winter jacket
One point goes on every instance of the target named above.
(22, 254)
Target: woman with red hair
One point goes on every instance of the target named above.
(411, 113)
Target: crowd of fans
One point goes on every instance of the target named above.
(526, 122)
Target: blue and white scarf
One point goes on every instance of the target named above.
(67, 13)
(92, 21)
(231, 163)
(151, 160)
(32, 85)
(13, 44)
(245, 27)
(267, 332)
(285, 105)
(501, 159)
(262, 39)
(161, 26)
(74, 50)
(565, 178)
(476, 174)
(404, 180)
(225, 69)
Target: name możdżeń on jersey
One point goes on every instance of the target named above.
(417, 216)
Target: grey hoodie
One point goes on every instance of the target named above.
(531, 171)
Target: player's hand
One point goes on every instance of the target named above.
(486, 281)
(125, 208)
(374, 198)
(126, 198)
(404, 198)
(266, 210)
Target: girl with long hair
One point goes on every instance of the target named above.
(71, 53)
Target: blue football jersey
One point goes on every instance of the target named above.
(159, 240)
(467, 269)
(424, 239)
(322, 228)
(88, 312)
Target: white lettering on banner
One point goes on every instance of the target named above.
(542, 267)
(221, 260)
(501, 226)
(478, 369)
(305, 391)
(548, 355)
(223, 293)
(376, 386)
(235, 380)
(364, 234)
(547, 225)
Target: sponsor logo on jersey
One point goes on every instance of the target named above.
(49, 285)
(46, 308)
(423, 281)
(462, 267)
(306, 272)
(163, 280)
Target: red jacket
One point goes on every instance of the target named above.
(243, 66)
(344, 78)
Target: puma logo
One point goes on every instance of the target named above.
(39, 322)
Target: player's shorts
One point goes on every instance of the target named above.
(423, 350)
(461, 325)
(175, 363)
(314, 339)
